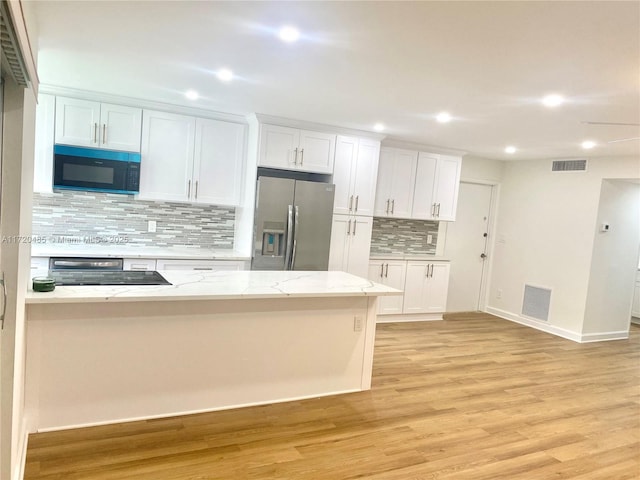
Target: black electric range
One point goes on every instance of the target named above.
(107, 277)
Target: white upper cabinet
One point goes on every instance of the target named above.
(218, 164)
(350, 244)
(396, 181)
(355, 175)
(437, 184)
(167, 156)
(44, 135)
(293, 149)
(187, 159)
(84, 123)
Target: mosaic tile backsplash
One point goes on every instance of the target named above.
(391, 235)
(89, 214)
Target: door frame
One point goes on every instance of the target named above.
(491, 241)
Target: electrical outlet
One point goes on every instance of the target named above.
(429, 239)
(151, 226)
(499, 294)
(357, 323)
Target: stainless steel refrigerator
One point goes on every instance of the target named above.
(292, 224)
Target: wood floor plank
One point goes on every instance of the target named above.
(470, 397)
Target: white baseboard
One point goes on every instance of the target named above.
(635, 320)
(413, 317)
(560, 332)
(545, 327)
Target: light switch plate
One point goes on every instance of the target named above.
(429, 239)
(151, 227)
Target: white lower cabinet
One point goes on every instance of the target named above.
(200, 265)
(390, 273)
(426, 287)
(141, 264)
(350, 244)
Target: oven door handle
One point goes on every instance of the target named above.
(86, 264)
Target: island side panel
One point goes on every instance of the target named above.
(109, 362)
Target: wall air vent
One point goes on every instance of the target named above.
(536, 302)
(10, 52)
(569, 165)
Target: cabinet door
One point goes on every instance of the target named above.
(199, 265)
(384, 182)
(218, 162)
(44, 139)
(316, 152)
(346, 150)
(438, 286)
(279, 147)
(142, 264)
(446, 187)
(340, 239)
(365, 176)
(403, 183)
(120, 127)
(423, 196)
(394, 276)
(416, 287)
(167, 156)
(360, 244)
(77, 122)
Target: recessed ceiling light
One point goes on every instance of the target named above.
(443, 117)
(588, 144)
(553, 100)
(224, 75)
(289, 34)
(510, 149)
(191, 94)
(378, 127)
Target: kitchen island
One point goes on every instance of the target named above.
(212, 340)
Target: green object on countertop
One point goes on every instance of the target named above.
(43, 284)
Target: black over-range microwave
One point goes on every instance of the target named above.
(77, 168)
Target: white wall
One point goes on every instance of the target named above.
(481, 170)
(545, 237)
(614, 260)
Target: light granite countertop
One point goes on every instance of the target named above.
(407, 256)
(133, 251)
(220, 285)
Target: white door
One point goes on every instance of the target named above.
(120, 127)
(218, 162)
(316, 152)
(360, 244)
(466, 243)
(279, 147)
(167, 156)
(365, 177)
(77, 122)
(346, 149)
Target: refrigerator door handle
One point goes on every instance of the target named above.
(287, 247)
(296, 218)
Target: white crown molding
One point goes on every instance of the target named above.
(318, 127)
(140, 103)
(399, 143)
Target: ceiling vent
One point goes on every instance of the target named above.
(569, 166)
(11, 56)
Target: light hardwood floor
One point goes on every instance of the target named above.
(470, 397)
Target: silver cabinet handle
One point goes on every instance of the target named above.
(4, 302)
(203, 268)
(349, 228)
(388, 201)
(357, 197)
(393, 205)
(104, 133)
(287, 256)
(350, 202)
(196, 189)
(386, 272)
(189, 189)
(296, 222)
(432, 265)
(438, 210)
(433, 209)
(295, 160)
(426, 271)
(301, 156)
(355, 222)
(95, 133)
(381, 270)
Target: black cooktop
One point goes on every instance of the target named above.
(107, 277)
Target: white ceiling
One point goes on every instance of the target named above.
(358, 63)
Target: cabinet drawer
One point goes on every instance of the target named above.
(146, 264)
(200, 265)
